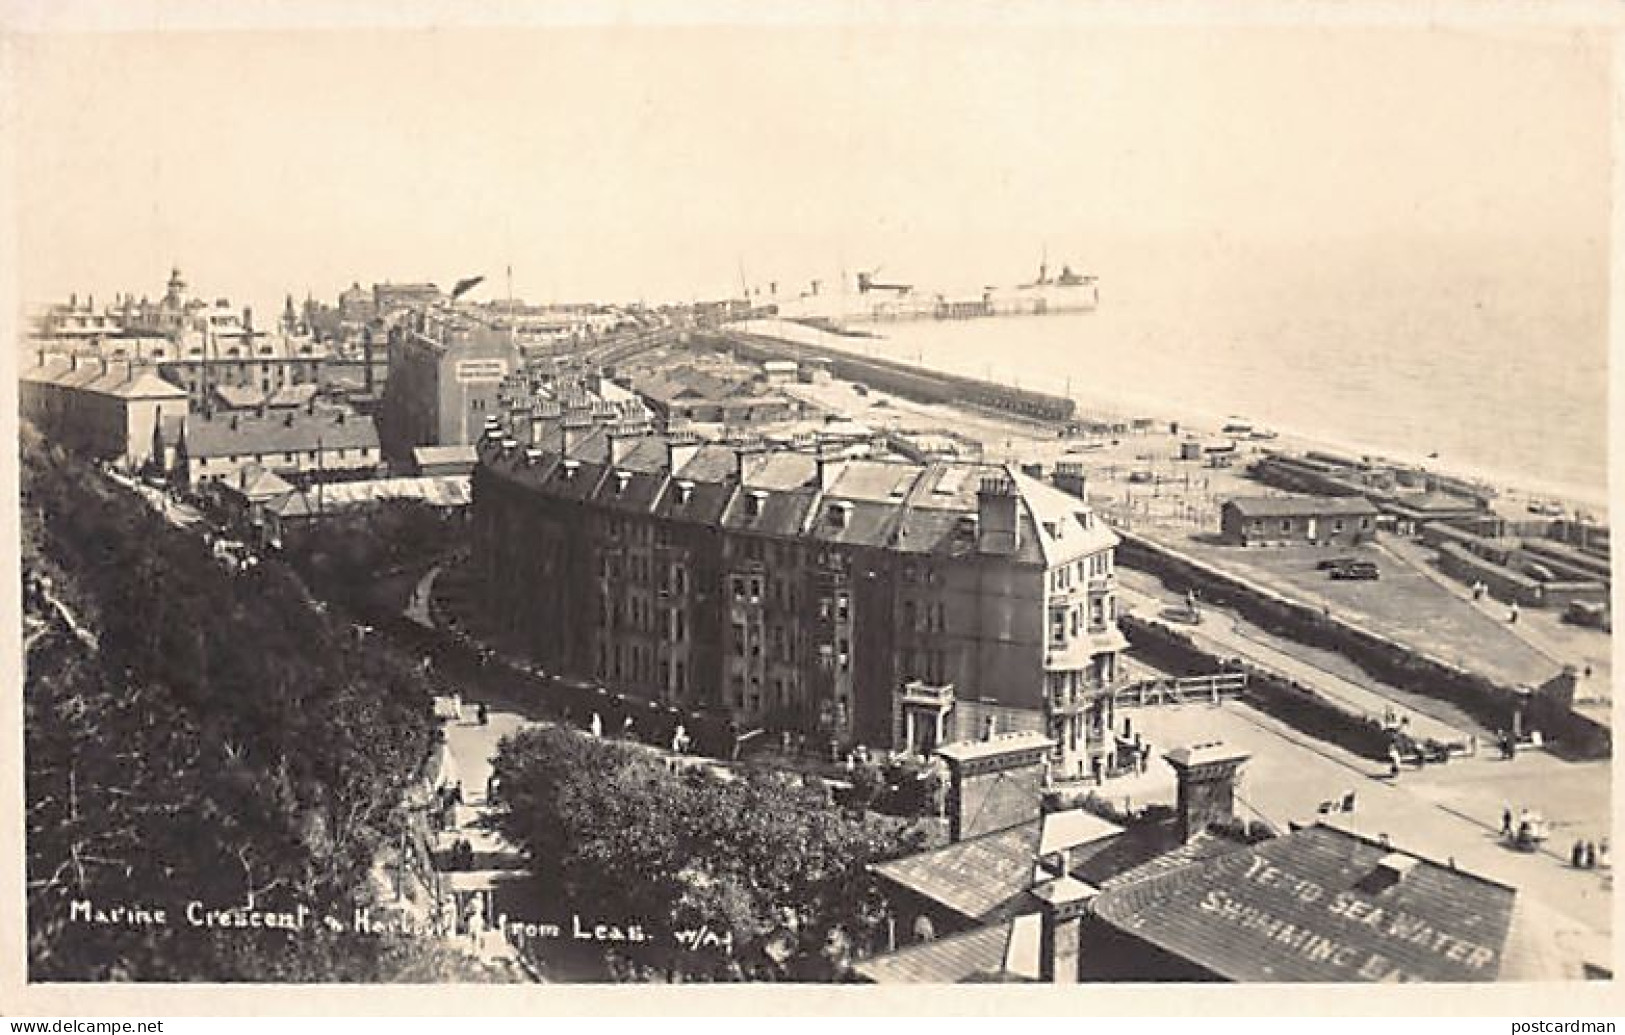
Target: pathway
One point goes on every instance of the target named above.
(1223, 634)
(1543, 631)
(471, 747)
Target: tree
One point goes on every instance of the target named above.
(220, 740)
(765, 858)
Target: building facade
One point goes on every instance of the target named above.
(446, 373)
(118, 412)
(891, 604)
(1289, 520)
(300, 446)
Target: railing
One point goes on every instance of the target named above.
(1209, 689)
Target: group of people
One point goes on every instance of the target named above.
(461, 855)
(1588, 855)
(444, 813)
(1507, 743)
(1526, 831)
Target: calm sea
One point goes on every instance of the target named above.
(1503, 376)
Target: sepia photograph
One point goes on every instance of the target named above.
(818, 496)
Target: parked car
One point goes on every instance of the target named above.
(1584, 613)
(1357, 570)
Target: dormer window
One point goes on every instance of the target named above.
(533, 456)
(570, 468)
(754, 502)
(622, 480)
(685, 492)
(838, 514)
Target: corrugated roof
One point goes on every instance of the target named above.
(447, 491)
(1319, 905)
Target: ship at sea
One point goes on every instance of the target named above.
(879, 301)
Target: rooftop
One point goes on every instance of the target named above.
(1002, 744)
(930, 509)
(239, 434)
(975, 878)
(961, 957)
(1302, 506)
(1320, 905)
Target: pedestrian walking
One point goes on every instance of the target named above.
(626, 727)
(1512, 614)
(1591, 855)
(1577, 857)
(596, 727)
(1506, 821)
(483, 714)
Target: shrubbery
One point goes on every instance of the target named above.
(768, 859)
(226, 743)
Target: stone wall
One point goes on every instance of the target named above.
(1488, 701)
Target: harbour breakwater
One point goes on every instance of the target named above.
(910, 382)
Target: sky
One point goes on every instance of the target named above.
(666, 163)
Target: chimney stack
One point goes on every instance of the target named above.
(1071, 478)
(621, 446)
(993, 784)
(1062, 903)
(575, 433)
(998, 521)
(1207, 785)
(680, 449)
(829, 469)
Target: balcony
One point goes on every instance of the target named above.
(922, 695)
(1078, 650)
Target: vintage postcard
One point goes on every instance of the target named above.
(584, 501)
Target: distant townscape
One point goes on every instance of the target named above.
(465, 639)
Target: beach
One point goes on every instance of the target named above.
(1523, 459)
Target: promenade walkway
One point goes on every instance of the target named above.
(497, 863)
(1542, 631)
(1223, 634)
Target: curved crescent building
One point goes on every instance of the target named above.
(892, 604)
